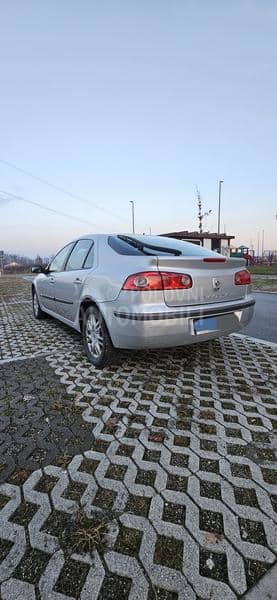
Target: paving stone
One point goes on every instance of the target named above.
(164, 462)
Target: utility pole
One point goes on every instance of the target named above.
(133, 215)
(219, 205)
(262, 242)
(1, 262)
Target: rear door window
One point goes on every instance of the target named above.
(89, 262)
(78, 255)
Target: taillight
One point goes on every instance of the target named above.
(242, 277)
(144, 282)
(176, 281)
(154, 280)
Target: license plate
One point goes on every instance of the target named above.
(205, 325)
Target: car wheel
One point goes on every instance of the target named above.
(38, 313)
(97, 343)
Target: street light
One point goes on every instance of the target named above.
(219, 205)
(133, 215)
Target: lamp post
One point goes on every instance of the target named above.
(219, 205)
(133, 215)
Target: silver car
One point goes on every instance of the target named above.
(138, 291)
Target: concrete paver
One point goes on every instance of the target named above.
(154, 478)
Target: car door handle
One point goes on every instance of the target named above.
(77, 280)
(52, 279)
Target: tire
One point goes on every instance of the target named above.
(38, 313)
(96, 339)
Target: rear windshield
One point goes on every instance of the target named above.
(186, 248)
(122, 247)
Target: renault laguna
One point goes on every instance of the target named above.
(138, 291)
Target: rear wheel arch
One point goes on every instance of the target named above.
(86, 302)
(105, 346)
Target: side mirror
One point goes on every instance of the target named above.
(36, 269)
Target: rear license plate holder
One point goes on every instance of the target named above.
(205, 325)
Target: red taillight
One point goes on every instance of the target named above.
(242, 277)
(144, 282)
(153, 280)
(176, 281)
(214, 259)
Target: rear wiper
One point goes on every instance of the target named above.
(141, 245)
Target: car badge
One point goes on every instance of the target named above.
(216, 284)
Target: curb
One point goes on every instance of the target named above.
(262, 292)
(266, 588)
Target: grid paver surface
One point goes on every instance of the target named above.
(153, 479)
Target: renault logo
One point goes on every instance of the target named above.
(216, 284)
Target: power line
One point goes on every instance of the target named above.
(59, 189)
(9, 196)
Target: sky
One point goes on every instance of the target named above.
(124, 100)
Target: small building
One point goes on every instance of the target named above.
(212, 241)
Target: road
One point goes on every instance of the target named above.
(264, 322)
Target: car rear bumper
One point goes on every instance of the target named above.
(167, 328)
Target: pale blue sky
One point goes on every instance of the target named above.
(123, 100)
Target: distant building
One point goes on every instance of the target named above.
(211, 241)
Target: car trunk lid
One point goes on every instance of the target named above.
(212, 280)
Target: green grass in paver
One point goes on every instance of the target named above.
(210, 489)
(208, 445)
(179, 460)
(146, 477)
(89, 465)
(273, 500)
(174, 513)
(238, 470)
(169, 552)
(74, 491)
(138, 505)
(19, 476)
(178, 483)
(152, 455)
(180, 440)
(24, 513)
(270, 476)
(78, 533)
(32, 566)
(246, 496)
(210, 521)
(3, 500)
(128, 541)
(156, 593)
(115, 587)
(207, 428)
(229, 432)
(5, 547)
(104, 499)
(46, 484)
(72, 578)
(252, 531)
(209, 465)
(116, 472)
(254, 570)
(125, 450)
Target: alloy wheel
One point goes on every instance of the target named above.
(94, 336)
